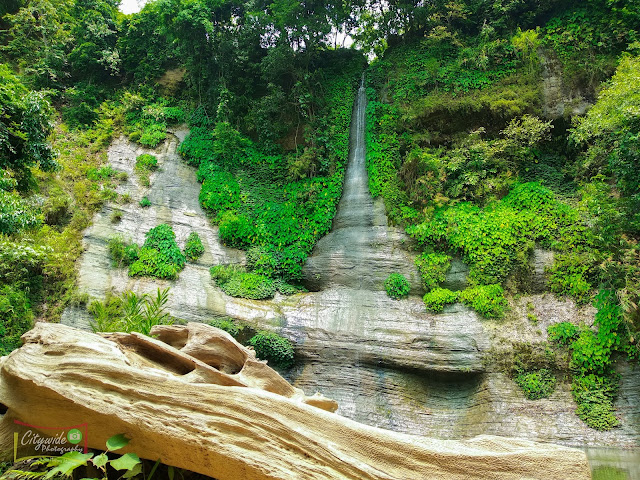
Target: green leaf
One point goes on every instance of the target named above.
(134, 471)
(117, 442)
(67, 463)
(171, 472)
(101, 460)
(125, 462)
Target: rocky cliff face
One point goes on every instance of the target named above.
(388, 363)
(198, 400)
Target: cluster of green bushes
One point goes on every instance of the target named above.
(158, 257)
(397, 286)
(145, 165)
(268, 345)
(236, 281)
(488, 300)
(595, 383)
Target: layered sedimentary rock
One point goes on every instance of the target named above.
(202, 402)
(388, 363)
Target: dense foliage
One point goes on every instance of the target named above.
(158, 257)
(397, 286)
(274, 348)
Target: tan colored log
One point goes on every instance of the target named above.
(202, 402)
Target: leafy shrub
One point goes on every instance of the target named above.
(437, 298)
(496, 240)
(160, 255)
(145, 202)
(487, 300)
(16, 318)
(286, 288)
(193, 249)
(563, 333)
(17, 214)
(130, 312)
(145, 164)
(274, 348)
(433, 268)
(537, 384)
(236, 230)
(236, 282)
(595, 395)
(227, 324)
(397, 286)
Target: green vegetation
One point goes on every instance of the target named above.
(17, 318)
(436, 299)
(537, 384)
(130, 312)
(562, 333)
(397, 286)
(66, 464)
(433, 268)
(274, 348)
(237, 282)
(145, 165)
(487, 300)
(457, 147)
(159, 256)
(193, 249)
(145, 202)
(595, 382)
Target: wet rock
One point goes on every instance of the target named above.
(362, 250)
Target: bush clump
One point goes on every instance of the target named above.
(537, 384)
(193, 249)
(121, 252)
(432, 268)
(274, 348)
(595, 395)
(397, 286)
(145, 165)
(160, 255)
(237, 282)
(563, 333)
(16, 318)
(436, 299)
(487, 300)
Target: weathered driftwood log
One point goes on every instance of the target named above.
(198, 400)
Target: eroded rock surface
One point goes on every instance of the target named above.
(175, 404)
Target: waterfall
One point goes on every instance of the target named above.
(362, 249)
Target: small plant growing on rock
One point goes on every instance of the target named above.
(397, 286)
(145, 202)
(432, 268)
(193, 249)
(537, 384)
(563, 333)
(145, 165)
(274, 348)
(116, 216)
(235, 281)
(436, 299)
(487, 300)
